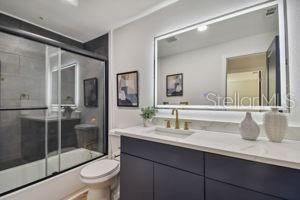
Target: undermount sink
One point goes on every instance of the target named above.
(178, 133)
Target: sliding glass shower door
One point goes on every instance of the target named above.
(52, 111)
(22, 111)
(53, 116)
(82, 89)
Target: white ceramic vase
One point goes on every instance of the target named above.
(147, 122)
(276, 125)
(249, 129)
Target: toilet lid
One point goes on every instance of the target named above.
(99, 169)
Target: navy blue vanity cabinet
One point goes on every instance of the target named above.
(155, 171)
(136, 181)
(178, 157)
(271, 180)
(173, 184)
(216, 190)
(167, 172)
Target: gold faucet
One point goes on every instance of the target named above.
(175, 110)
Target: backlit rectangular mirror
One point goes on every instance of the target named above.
(233, 62)
(69, 85)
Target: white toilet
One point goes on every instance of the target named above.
(101, 176)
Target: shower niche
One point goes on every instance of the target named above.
(41, 108)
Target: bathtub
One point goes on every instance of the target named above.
(27, 173)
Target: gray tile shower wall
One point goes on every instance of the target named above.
(98, 45)
(22, 68)
(10, 138)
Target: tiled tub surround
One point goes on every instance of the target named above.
(286, 154)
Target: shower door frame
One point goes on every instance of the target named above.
(63, 47)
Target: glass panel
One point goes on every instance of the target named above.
(68, 84)
(54, 86)
(22, 149)
(22, 132)
(82, 124)
(22, 68)
(63, 123)
(68, 87)
(53, 114)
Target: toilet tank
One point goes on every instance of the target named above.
(114, 146)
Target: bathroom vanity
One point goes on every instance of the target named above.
(206, 165)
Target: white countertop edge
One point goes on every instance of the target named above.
(249, 157)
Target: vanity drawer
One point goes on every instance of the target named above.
(175, 184)
(269, 179)
(216, 190)
(181, 158)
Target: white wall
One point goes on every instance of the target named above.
(133, 49)
(293, 12)
(201, 66)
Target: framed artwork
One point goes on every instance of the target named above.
(128, 89)
(90, 87)
(174, 85)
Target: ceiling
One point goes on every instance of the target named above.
(242, 26)
(81, 20)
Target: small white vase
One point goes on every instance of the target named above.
(249, 129)
(275, 124)
(147, 122)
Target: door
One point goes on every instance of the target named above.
(174, 184)
(244, 88)
(136, 179)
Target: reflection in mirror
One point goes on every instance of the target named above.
(68, 85)
(246, 78)
(230, 62)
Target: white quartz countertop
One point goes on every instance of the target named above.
(286, 154)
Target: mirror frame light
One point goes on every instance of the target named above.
(76, 92)
(283, 41)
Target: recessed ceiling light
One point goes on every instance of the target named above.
(72, 2)
(202, 28)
